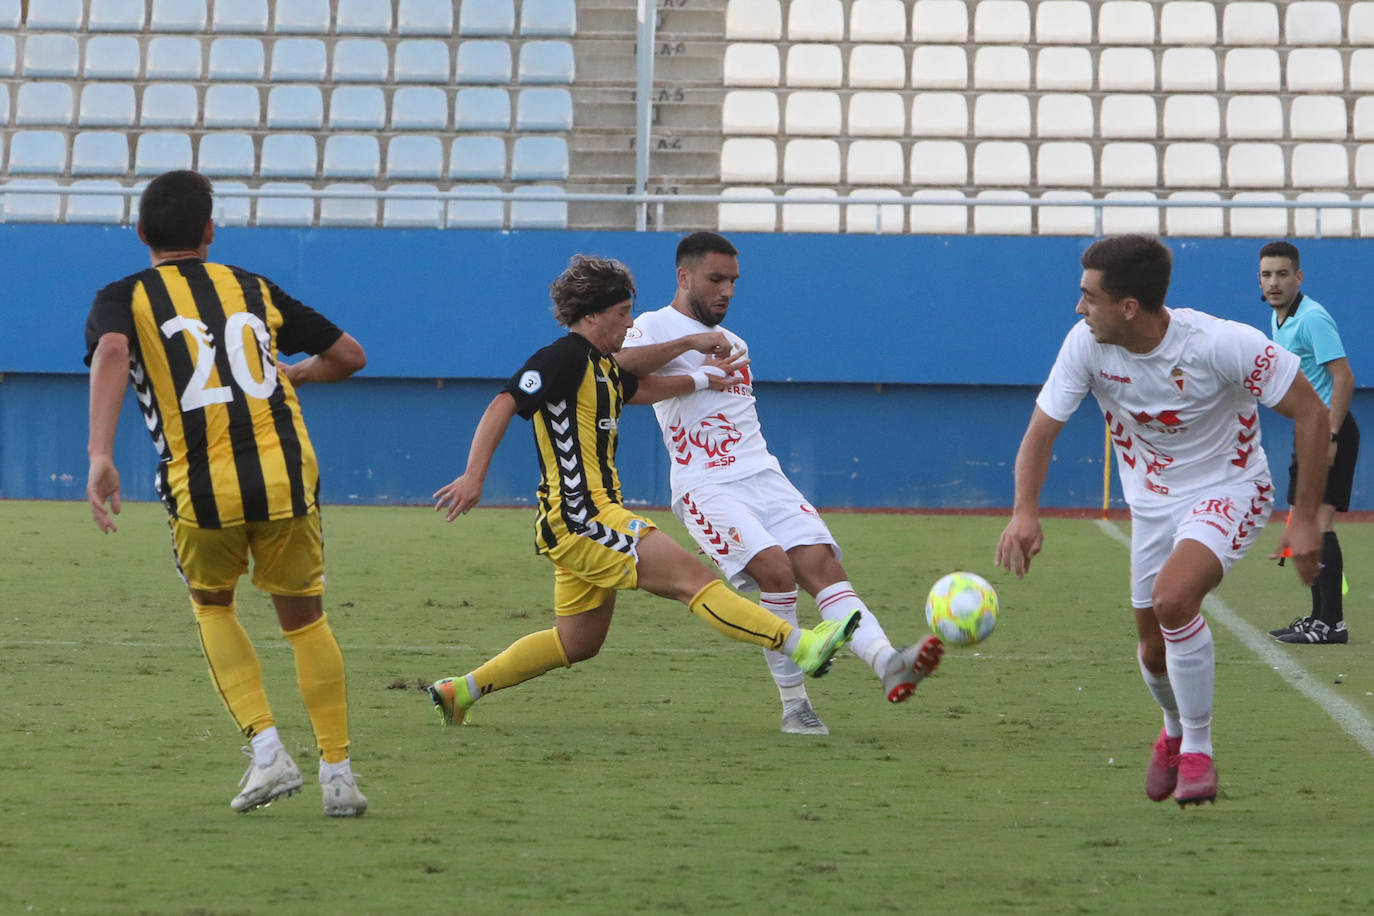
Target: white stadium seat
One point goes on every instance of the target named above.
(475, 214)
(354, 212)
(1064, 115)
(750, 111)
(1318, 117)
(415, 156)
(1068, 22)
(106, 105)
(1336, 222)
(1001, 114)
(548, 17)
(876, 114)
(1001, 67)
(753, 64)
(1064, 164)
(1004, 21)
(1121, 220)
(875, 162)
(31, 208)
(486, 17)
(178, 16)
(44, 104)
(308, 17)
(1312, 22)
(811, 162)
(300, 107)
(748, 160)
(1188, 22)
(66, 15)
(162, 151)
(877, 20)
(426, 108)
(1250, 23)
(1367, 217)
(232, 106)
(237, 59)
(546, 62)
(1320, 165)
(938, 162)
(179, 58)
(1066, 220)
(539, 159)
(105, 208)
(939, 114)
(747, 217)
(8, 57)
(1359, 30)
(1188, 70)
(1364, 165)
(1195, 221)
(481, 158)
(169, 105)
(298, 60)
(939, 67)
(813, 113)
(240, 16)
(939, 21)
(1255, 165)
(426, 60)
(1254, 117)
(285, 211)
(1126, 22)
(360, 60)
(1192, 165)
(1363, 126)
(226, 154)
(52, 56)
(948, 217)
(753, 20)
(351, 156)
(1192, 117)
(1064, 68)
(357, 108)
(100, 152)
(362, 17)
(424, 17)
(1251, 70)
(413, 213)
(1002, 220)
(481, 108)
(1265, 222)
(1001, 163)
(1314, 70)
(875, 217)
(1126, 70)
(815, 20)
(811, 217)
(115, 16)
(871, 67)
(1129, 165)
(113, 57)
(288, 156)
(1128, 116)
(535, 109)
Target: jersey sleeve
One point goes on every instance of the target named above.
(551, 374)
(1244, 356)
(644, 332)
(1323, 337)
(111, 311)
(1068, 382)
(303, 330)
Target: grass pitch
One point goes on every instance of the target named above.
(654, 779)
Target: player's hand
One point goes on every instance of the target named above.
(1305, 541)
(458, 497)
(102, 483)
(731, 364)
(1021, 540)
(712, 343)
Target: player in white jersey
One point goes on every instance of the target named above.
(1179, 390)
(731, 494)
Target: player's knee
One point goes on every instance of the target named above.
(772, 570)
(1173, 607)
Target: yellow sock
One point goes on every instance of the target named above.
(738, 617)
(527, 657)
(234, 667)
(320, 676)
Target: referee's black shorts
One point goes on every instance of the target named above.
(1340, 478)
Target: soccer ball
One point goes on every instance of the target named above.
(962, 608)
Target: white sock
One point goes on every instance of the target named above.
(329, 770)
(265, 744)
(1192, 661)
(787, 674)
(869, 641)
(1163, 693)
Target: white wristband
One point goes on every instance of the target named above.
(699, 379)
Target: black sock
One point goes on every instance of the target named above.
(1327, 588)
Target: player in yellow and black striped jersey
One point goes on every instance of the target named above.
(573, 392)
(201, 342)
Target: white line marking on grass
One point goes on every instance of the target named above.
(1344, 713)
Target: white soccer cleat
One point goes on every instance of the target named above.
(341, 796)
(799, 718)
(263, 785)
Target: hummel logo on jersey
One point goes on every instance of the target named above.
(1123, 379)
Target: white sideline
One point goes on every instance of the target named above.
(1344, 713)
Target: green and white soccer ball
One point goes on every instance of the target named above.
(962, 608)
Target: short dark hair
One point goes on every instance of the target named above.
(699, 244)
(589, 285)
(1281, 250)
(1133, 266)
(174, 209)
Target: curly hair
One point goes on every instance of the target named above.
(589, 285)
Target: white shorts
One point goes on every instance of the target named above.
(1226, 521)
(732, 522)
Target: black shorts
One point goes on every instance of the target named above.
(1340, 479)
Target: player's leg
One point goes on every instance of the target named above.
(1162, 773)
(1327, 623)
(288, 564)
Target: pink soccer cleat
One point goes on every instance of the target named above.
(1162, 774)
(1197, 780)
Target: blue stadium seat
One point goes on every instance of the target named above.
(419, 108)
(106, 105)
(483, 62)
(173, 58)
(38, 152)
(351, 156)
(7, 55)
(477, 157)
(424, 17)
(288, 156)
(104, 208)
(360, 60)
(285, 211)
(237, 59)
(422, 61)
(353, 212)
(114, 16)
(226, 155)
(178, 16)
(475, 214)
(546, 62)
(481, 108)
(363, 17)
(10, 13)
(4, 112)
(162, 151)
(44, 104)
(539, 159)
(308, 17)
(240, 16)
(416, 213)
(548, 17)
(232, 106)
(544, 109)
(415, 156)
(169, 105)
(486, 17)
(31, 208)
(538, 214)
(66, 15)
(229, 210)
(357, 108)
(100, 152)
(298, 59)
(50, 55)
(295, 106)
(114, 57)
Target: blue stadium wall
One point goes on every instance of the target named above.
(894, 371)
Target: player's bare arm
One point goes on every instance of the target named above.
(657, 387)
(109, 381)
(649, 358)
(343, 358)
(1311, 435)
(465, 492)
(1023, 537)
